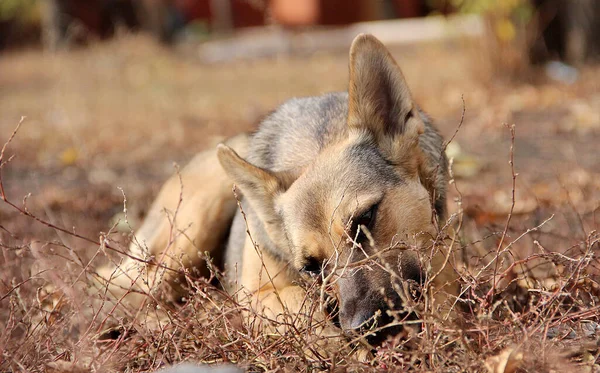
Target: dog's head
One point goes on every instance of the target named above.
(361, 201)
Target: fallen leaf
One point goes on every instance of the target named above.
(62, 366)
(69, 156)
(507, 361)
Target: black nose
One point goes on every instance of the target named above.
(369, 305)
(374, 323)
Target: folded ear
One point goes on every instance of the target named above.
(259, 186)
(379, 98)
(252, 180)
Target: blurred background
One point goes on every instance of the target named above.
(551, 29)
(115, 91)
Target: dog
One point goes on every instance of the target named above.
(324, 185)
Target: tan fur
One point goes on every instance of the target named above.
(302, 192)
(175, 232)
(317, 206)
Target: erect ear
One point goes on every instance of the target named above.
(379, 98)
(259, 186)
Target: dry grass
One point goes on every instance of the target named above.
(528, 242)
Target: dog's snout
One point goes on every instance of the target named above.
(359, 321)
(375, 309)
(372, 321)
(354, 318)
(364, 310)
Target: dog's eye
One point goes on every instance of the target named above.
(312, 267)
(365, 219)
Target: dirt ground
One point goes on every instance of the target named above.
(111, 120)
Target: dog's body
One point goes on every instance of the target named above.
(326, 182)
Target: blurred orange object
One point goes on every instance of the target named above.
(296, 13)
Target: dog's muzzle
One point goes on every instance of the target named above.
(370, 306)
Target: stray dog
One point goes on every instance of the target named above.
(346, 189)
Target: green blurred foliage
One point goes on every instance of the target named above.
(519, 8)
(22, 11)
(507, 16)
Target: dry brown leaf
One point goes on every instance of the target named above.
(507, 361)
(502, 202)
(62, 366)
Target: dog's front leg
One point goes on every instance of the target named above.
(279, 306)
